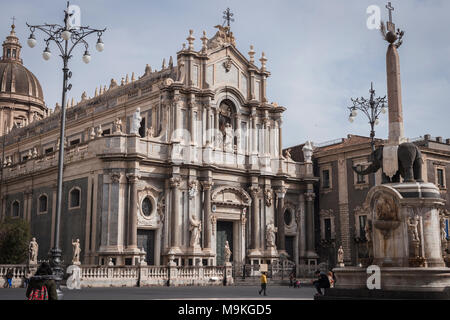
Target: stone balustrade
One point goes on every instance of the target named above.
(131, 276)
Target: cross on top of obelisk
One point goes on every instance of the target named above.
(228, 17)
(14, 20)
(390, 24)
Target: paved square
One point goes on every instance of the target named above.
(175, 293)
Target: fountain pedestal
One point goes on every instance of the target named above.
(405, 235)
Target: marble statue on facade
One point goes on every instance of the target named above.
(287, 155)
(118, 126)
(33, 251)
(340, 257)
(110, 263)
(227, 252)
(308, 152)
(136, 122)
(270, 235)
(150, 132)
(195, 229)
(228, 142)
(76, 252)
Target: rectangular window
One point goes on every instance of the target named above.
(362, 226)
(360, 179)
(106, 131)
(325, 179)
(327, 226)
(48, 150)
(440, 178)
(74, 142)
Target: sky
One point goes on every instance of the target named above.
(320, 54)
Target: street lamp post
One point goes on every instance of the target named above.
(66, 38)
(372, 109)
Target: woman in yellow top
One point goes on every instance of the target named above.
(263, 283)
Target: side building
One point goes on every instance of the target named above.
(166, 167)
(340, 194)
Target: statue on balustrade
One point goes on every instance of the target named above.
(76, 252)
(33, 251)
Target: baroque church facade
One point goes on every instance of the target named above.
(169, 166)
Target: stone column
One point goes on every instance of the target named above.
(208, 124)
(237, 132)
(216, 128)
(255, 243)
(280, 139)
(175, 223)
(396, 130)
(280, 220)
(254, 134)
(309, 221)
(207, 212)
(266, 136)
(132, 222)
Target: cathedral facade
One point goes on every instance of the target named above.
(168, 167)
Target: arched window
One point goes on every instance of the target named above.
(288, 217)
(74, 198)
(43, 203)
(15, 209)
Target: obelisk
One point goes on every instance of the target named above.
(394, 88)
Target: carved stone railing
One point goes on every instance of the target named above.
(130, 276)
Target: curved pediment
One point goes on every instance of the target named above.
(232, 196)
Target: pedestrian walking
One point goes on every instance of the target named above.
(263, 284)
(42, 285)
(322, 282)
(9, 277)
(291, 280)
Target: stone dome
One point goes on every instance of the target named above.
(21, 96)
(16, 79)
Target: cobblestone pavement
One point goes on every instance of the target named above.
(175, 293)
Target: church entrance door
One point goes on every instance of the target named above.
(224, 233)
(146, 240)
(289, 245)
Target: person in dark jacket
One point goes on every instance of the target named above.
(321, 282)
(43, 277)
(9, 277)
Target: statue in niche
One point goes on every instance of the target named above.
(227, 252)
(33, 251)
(195, 229)
(228, 142)
(270, 235)
(443, 230)
(136, 122)
(413, 225)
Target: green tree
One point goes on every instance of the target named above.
(14, 238)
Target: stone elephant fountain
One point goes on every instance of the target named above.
(409, 164)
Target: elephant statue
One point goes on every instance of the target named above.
(409, 164)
